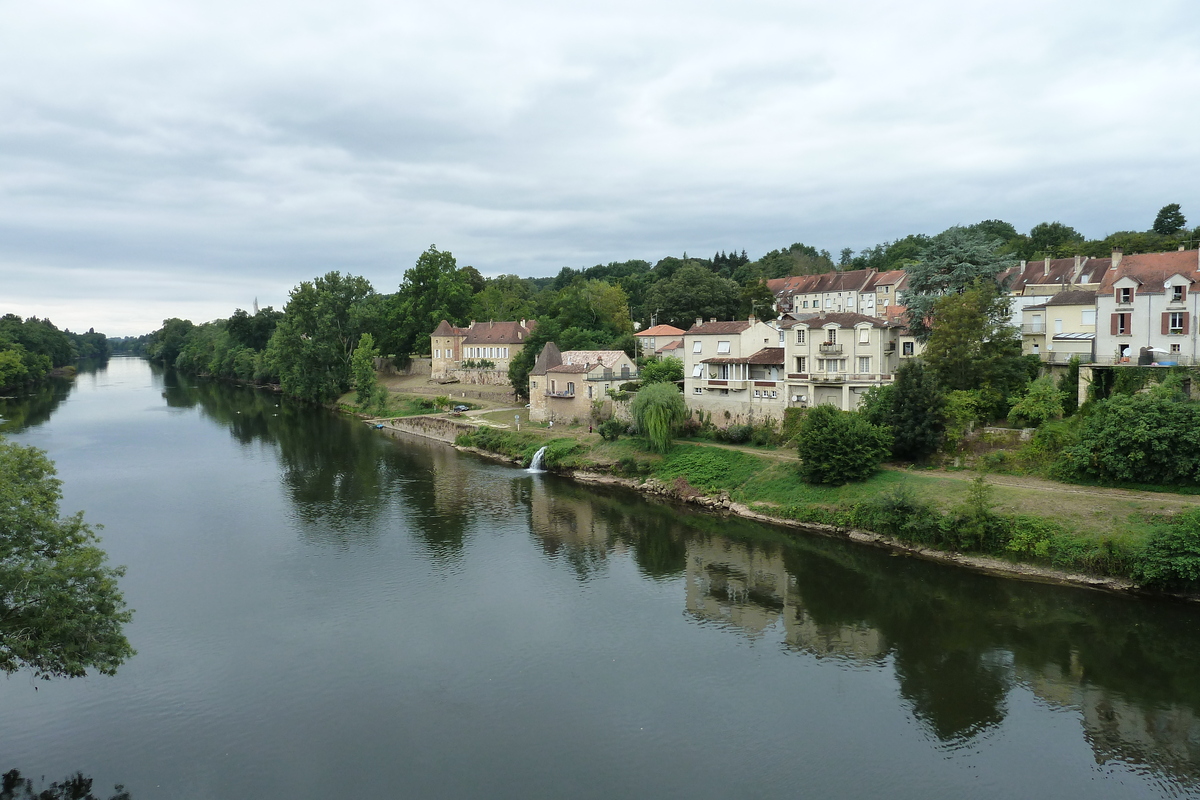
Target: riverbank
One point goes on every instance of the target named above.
(1043, 532)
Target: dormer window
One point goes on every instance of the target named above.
(831, 336)
(1125, 295)
(1177, 294)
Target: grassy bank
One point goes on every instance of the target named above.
(1144, 538)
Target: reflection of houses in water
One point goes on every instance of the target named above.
(1165, 738)
(562, 521)
(750, 589)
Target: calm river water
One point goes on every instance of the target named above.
(326, 612)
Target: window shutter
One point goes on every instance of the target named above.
(1166, 324)
(1186, 321)
(1115, 317)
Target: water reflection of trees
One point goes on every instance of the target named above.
(76, 787)
(959, 643)
(33, 406)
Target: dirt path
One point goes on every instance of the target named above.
(1040, 484)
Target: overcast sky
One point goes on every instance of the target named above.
(183, 158)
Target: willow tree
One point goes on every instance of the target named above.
(658, 412)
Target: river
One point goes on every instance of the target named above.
(323, 611)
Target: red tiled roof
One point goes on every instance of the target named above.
(444, 328)
(852, 281)
(768, 355)
(660, 330)
(710, 328)
(1153, 269)
(844, 319)
(497, 333)
(672, 345)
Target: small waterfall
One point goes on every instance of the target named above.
(539, 460)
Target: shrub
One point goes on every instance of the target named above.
(836, 446)
(1171, 557)
(792, 417)
(1143, 438)
(611, 429)
(1041, 403)
(737, 434)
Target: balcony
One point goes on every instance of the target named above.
(828, 349)
(889, 347)
(567, 395)
(1033, 327)
(829, 377)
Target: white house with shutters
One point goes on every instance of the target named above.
(1149, 301)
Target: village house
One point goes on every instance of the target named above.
(1146, 308)
(564, 385)
(734, 370)
(832, 359)
(655, 339)
(858, 291)
(494, 343)
(1062, 327)
(1033, 282)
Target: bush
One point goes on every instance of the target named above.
(836, 446)
(792, 417)
(1041, 403)
(1143, 438)
(736, 434)
(611, 429)
(1171, 557)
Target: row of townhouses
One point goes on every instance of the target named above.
(839, 334)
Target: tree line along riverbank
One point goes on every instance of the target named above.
(1107, 538)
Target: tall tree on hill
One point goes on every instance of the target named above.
(1170, 220)
(1052, 239)
(693, 291)
(973, 345)
(434, 289)
(915, 412)
(954, 259)
(314, 341)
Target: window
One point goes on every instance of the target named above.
(1088, 317)
(887, 289)
(437, 353)
(831, 335)
(697, 390)
(907, 348)
(801, 361)
(806, 304)
(850, 302)
(533, 384)
(1176, 349)
(570, 387)
(1125, 295)
(698, 371)
(828, 302)
(831, 365)
(1120, 324)
(864, 335)
(774, 393)
(589, 393)
(722, 347)
(800, 336)
(1058, 326)
(782, 333)
(1176, 294)
(1175, 322)
(697, 346)
(756, 393)
(864, 365)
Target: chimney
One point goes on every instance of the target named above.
(714, 319)
(699, 320)
(1181, 248)
(751, 319)
(1116, 257)
(1046, 266)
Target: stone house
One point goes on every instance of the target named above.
(832, 359)
(734, 370)
(495, 342)
(564, 385)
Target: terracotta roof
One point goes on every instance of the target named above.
(660, 330)
(852, 281)
(893, 277)
(844, 319)
(497, 333)
(669, 346)
(711, 328)
(1152, 269)
(768, 355)
(569, 368)
(1072, 297)
(547, 359)
(444, 328)
(605, 358)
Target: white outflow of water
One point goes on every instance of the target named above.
(538, 461)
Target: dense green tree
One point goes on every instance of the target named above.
(915, 412)
(662, 370)
(505, 297)
(1052, 239)
(973, 345)
(954, 260)
(1041, 403)
(61, 612)
(434, 289)
(168, 341)
(658, 412)
(253, 331)
(1169, 221)
(593, 305)
(836, 447)
(757, 299)
(313, 343)
(1141, 438)
(798, 259)
(363, 365)
(690, 292)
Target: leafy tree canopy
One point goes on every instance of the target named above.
(434, 289)
(662, 370)
(972, 344)
(836, 447)
(953, 260)
(61, 612)
(693, 291)
(658, 412)
(1169, 221)
(915, 413)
